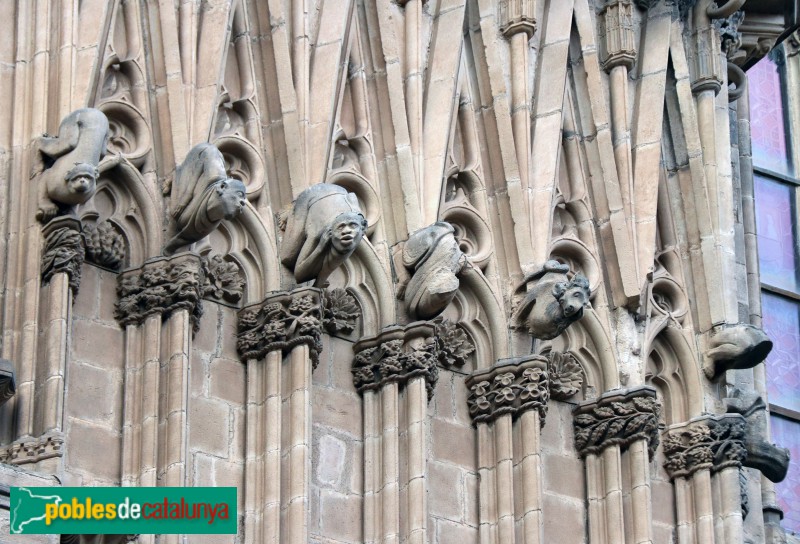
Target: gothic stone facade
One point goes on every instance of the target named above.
(401, 271)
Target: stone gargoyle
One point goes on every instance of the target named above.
(324, 229)
(433, 256)
(552, 302)
(68, 164)
(735, 347)
(205, 196)
(771, 460)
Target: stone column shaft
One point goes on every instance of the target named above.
(514, 389)
(276, 336)
(619, 427)
(530, 434)
(417, 510)
(395, 371)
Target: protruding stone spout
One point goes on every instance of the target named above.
(735, 347)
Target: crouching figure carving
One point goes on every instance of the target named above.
(205, 196)
(69, 162)
(553, 302)
(324, 229)
(434, 256)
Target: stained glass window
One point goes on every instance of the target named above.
(767, 116)
(786, 433)
(779, 259)
(782, 324)
(777, 248)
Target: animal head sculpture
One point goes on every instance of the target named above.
(552, 302)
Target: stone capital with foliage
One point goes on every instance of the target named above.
(512, 386)
(618, 418)
(708, 442)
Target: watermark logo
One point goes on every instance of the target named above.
(123, 510)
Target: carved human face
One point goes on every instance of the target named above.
(347, 231)
(573, 301)
(232, 196)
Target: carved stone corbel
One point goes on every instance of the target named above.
(205, 196)
(620, 39)
(512, 386)
(68, 164)
(771, 460)
(162, 285)
(707, 442)
(282, 321)
(8, 384)
(619, 417)
(735, 347)
(552, 302)
(63, 250)
(515, 16)
(397, 354)
(432, 257)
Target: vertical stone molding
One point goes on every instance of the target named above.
(281, 334)
(620, 39)
(63, 251)
(159, 306)
(508, 404)
(619, 422)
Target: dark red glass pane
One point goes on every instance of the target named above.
(786, 433)
(775, 216)
(767, 117)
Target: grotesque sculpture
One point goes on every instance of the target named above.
(324, 229)
(554, 301)
(70, 161)
(435, 258)
(771, 460)
(735, 346)
(205, 195)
